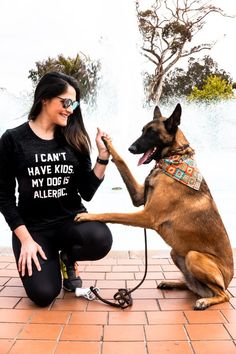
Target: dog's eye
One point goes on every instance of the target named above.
(149, 130)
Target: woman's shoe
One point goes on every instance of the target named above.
(70, 280)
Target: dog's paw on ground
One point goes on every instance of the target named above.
(165, 285)
(201, 304)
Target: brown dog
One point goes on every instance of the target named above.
(179, 206)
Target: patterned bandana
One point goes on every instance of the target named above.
(183, 169)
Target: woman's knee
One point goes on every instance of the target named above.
(102, 241)
(45, 285)
(95, 244)
(43, 296)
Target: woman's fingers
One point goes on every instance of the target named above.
(25, 261)
(42, 254)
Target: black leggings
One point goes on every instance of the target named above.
(89, 240)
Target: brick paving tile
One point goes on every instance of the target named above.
(224, 306)
(10, 330)
(78, 347)
(11, 266)
(33, 347)
(165, 332)
(173, 275)
(92, 276)
(147, 294)
(13, 282)
(95, 306)
(151, 268)
(120, 276)
(5, 345)
(213, 316)
(178, 294)
(150, 276)
(40, 331)
(75, 304)
(169, 268)
(159, 322)
(124, 348)
(166, 317)
(92, 318)
(232, 291)
(24, 304)
(127, 318)
(110, 284)
(124, 269)
(213, 347)
(147, 284)
(144, 305)
(4, 265)
(233, 302)
(8, 273)
(82, 332)
(169, 347)
(231, 328)
(176, 304)
(53, 317)
(126, 261)
(158, 261)
(230, 315)
(3, 280)
(123, 333)
(97, 268)
(207, 332)
(13, 315)
(10, 259)
(8, 302)
(18, 291)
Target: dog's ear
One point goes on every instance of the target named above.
(157, 113)
(173, 121)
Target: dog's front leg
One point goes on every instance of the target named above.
(139, 219)
(136, 190)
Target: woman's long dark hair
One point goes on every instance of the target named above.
(54, 84)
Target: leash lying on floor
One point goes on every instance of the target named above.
(123, 296)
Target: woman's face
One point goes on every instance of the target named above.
(53, 108)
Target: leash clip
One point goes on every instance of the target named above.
(86, 293)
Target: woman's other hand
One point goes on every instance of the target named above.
(29, 251)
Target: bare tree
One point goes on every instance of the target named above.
(167, 29)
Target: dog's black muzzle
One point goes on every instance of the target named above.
(133, 149)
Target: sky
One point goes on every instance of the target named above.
(32, 31)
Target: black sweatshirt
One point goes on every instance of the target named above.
(51, 179)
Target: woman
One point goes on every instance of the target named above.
(49, 157)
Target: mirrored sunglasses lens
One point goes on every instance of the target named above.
(75, 105)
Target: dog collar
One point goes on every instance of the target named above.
(183, 169)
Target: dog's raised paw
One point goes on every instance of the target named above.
(81, 217)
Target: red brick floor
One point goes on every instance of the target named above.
(159, 321)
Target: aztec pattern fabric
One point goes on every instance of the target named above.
(183, 169)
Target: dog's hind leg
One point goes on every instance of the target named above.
(202, 276)
(209, 281)
(180, 284)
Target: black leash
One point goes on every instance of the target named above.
(123, 296)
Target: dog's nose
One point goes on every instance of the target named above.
(133, 149)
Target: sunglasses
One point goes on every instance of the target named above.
(67, 102)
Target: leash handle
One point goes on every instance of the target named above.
(123, 296)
